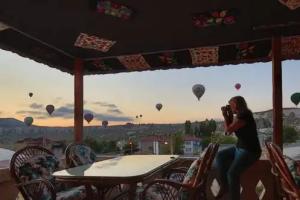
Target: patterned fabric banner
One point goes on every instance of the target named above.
(134, 62)
(204, 55)
(291, 4)
(215, 18)
(3, 26)
(290, 47)
(93, 42)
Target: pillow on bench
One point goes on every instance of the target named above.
(294, 167)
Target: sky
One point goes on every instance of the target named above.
(119, 98)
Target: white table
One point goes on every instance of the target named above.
(120, 170)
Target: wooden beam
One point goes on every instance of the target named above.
(277, 90)
(78, 98)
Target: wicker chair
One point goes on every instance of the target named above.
(166, 189)
(78, 154)
(284, 177)
(32, 168)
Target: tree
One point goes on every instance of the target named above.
(290, 134)
(188, 127)
(178, 143)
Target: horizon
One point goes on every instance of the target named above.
(176, 123)
(119, 98)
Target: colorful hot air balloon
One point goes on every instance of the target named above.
(30, 94)
(158, 106)
(295, 98)
(104, 123)
(237, 86)
(28, 121)
(88, 117)
(198, 90)
(50, 109)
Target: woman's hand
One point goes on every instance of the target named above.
(224, 111)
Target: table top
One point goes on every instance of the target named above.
(120, 167)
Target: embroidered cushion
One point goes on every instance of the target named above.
(82, 155)
(76, 193)
(40, 166)
(191, 174)
(294, 167)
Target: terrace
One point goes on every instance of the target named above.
(81, 38)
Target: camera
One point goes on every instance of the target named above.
(228, 108)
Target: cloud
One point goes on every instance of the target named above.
(70, 105)
(117, 111)
(57, 99)
(36, 106)
(67, 112)
(30, 112)
(114, 118)
(104, 104)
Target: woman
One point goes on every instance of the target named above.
(232, 162)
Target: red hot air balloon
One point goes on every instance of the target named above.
(50, 109)
(88, 117)
(237, 86)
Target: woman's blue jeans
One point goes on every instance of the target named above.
(231, 163)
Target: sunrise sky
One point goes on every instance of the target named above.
(119, 98)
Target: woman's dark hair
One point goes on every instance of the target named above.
(240, 103)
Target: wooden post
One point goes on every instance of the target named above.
(277, 90)
(78, 98)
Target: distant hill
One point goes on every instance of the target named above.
(269, 113)
(13, 130)
(11, 123)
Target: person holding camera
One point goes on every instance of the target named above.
(233, 161)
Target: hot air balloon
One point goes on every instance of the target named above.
(50, 109)
(30, 94)
(137, 116)
(158, 106)
(237, 86)
(198, 90)
(28, 121)
(295, 98)
(104, 123)
(88, 117)
(141, 115)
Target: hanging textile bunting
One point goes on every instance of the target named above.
(93, 42)
(114, 9)
(102, 65)
(3, 26)
(291, 4)
(168, 58)
(244, 50)
(204, 55)
(134, 62)
(290, 47)
(214, 18)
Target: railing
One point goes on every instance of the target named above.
(256, 183)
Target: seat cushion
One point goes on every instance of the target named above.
(76, 193)
(40, 166)
(191, 174)
(82, 155)
(294, 167)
